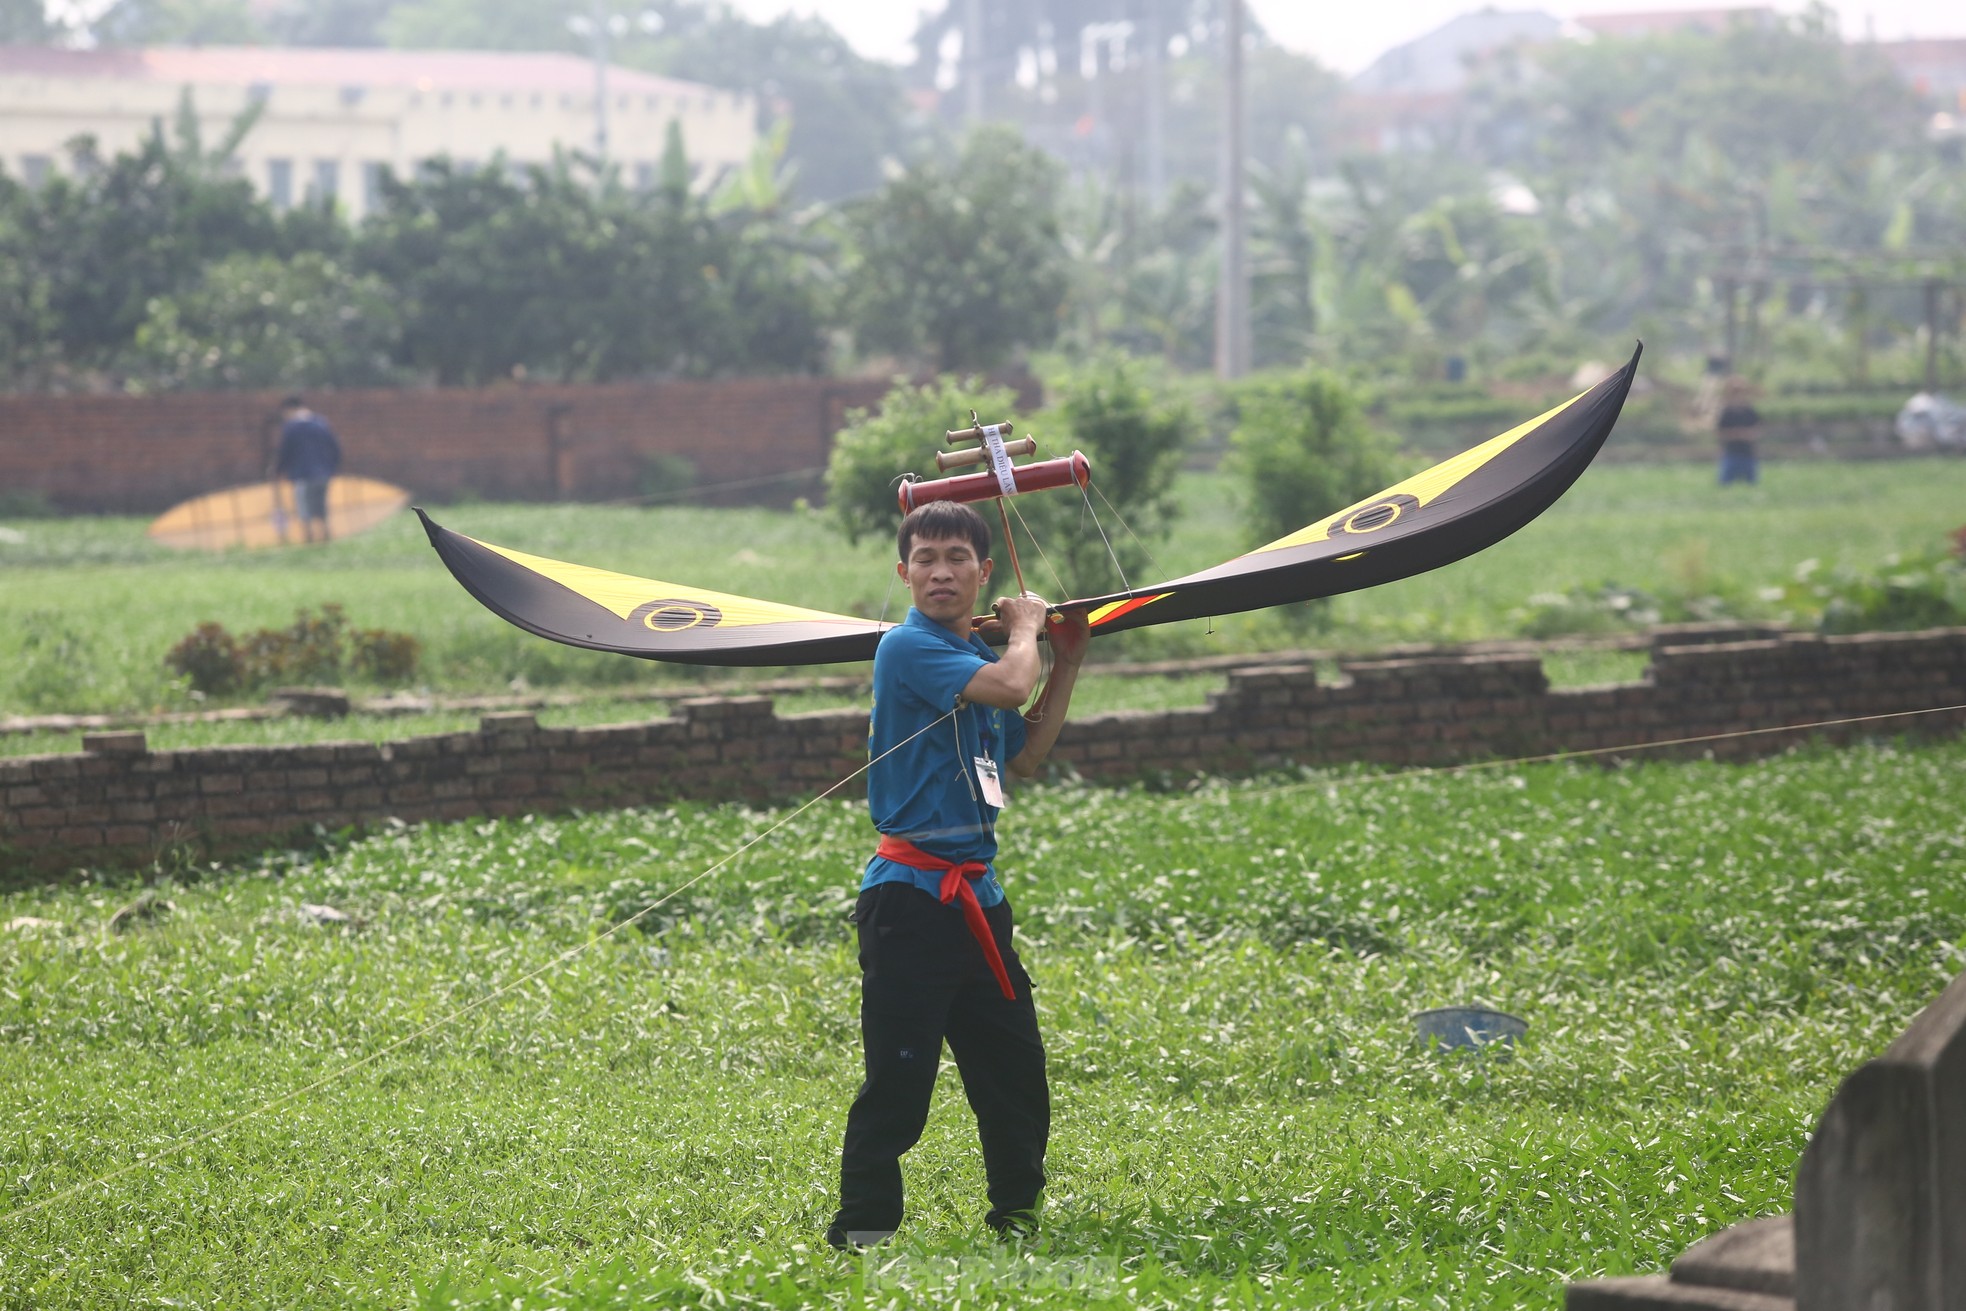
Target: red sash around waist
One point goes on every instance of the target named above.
(957, 881)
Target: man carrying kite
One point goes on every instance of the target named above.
(936, 956)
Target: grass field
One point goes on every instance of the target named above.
(89, 607)
(1225, 977)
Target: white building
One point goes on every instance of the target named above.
(334, 119)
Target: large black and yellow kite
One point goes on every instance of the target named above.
(1436, 517)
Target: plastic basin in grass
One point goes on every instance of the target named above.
(1467, 1026)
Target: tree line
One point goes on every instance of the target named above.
(159, 270)
(1581, 195)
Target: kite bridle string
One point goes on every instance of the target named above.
(1125, 586)
(1049, 566)
(1010, 545)
(572, 952)
(441, 1021)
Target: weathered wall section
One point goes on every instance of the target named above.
(117, 802)
(531, 442)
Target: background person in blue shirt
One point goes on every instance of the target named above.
(936, 957)
(1739, 424)
(309, 458)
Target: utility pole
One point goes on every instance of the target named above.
(973, 61)
(1232, 297)
(600, 21)
(1156, 113)
(1932, 335)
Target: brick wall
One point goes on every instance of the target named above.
(531, 442)
(116, 803)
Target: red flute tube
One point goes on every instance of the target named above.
(1066, 470)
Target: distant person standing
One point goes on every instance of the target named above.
(309, 458)
(1739, 425)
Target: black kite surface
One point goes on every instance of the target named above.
(1440, 515)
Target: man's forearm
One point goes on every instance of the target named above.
(1007, 684)
(1043, 720)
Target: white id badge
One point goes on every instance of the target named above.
(986, 777)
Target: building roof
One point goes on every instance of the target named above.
(1439, 61)
(1934, 67)
(415, 70)
(1925, 52)
(1664, 22)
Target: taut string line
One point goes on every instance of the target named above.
(1582, 753)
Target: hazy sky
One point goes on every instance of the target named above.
(1350, 36)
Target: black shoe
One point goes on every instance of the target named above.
(1014, 1226)
(855, 1240)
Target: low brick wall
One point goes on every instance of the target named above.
(536, 442)
(118, 803)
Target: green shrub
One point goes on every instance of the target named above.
(1134, 435)
(314, 648)
(307, 651)
(1922, 590)
(383, 656)
(1302, 449)
(1606, 608)
(209, 658)
(262, 321)
(876, 448)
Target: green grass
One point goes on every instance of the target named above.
(90, 607)
(1224, 973)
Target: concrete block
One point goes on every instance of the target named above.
(114, 744)
(516, 721)
(312, 702)
(1880, 1197)
(1658, 1293)
(1880, 1200)
(1756, 1256)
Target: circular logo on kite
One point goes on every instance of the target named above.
(1382, 513)
(674, 616)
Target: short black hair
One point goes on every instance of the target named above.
(293, 402)
(941, 520)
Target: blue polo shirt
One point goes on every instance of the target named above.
(927, 792)
(308, 449)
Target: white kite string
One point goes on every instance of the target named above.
(1062, 589)
(1551, 757)
(143, 1161)
(1125, 586)
(1144, 548)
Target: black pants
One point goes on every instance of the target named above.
(923, 979)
